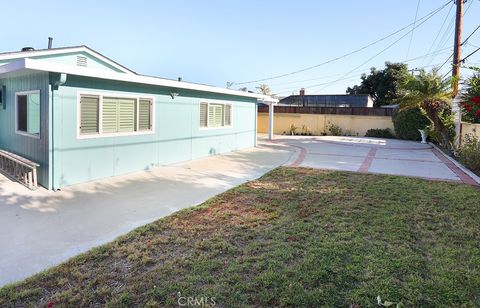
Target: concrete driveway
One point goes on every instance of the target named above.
(43, 228)
(375, 155)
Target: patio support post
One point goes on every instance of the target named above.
(270, 121)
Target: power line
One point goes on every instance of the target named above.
(363, 70)
(343, 79)
(414, 22)
(448, 59)
(345, 55)
(463, 43)
(441, 28)
(347, 78)
(466, 40)
(389, 46)
(310, 79)
(437, 52)
(463, 60)
(446, 35)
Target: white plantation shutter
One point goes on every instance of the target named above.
(109, 115)
(119, 115)
(203, 114)
(211, 115)
(145, 115)
(215, 115)
(126, 115)
(228, 115)
(89, 111)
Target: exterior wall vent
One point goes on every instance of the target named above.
(81, 61)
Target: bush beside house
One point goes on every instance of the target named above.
(469, 153)
(408, 121)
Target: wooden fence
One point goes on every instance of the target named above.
(359, 111)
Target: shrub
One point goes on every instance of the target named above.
(379, 133)
(407, 122)
(293, 130)
(469, 153)
(334, 129)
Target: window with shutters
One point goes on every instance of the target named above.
(27, 110)
(214, 115)
(111, 116)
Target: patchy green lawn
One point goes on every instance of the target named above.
(295, 237)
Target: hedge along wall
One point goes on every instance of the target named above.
(470, 128)
(317, 123)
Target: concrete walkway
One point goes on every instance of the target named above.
(43, 228)
(375, 155)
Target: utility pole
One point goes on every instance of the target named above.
(457, 44)
(413, 70)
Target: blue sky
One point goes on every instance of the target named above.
(214, 42)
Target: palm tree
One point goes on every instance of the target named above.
(433, 95)
(264, 89)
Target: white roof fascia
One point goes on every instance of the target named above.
(36, 53)
(39, 65)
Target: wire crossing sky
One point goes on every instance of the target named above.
(215, 41)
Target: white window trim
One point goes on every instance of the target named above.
(208, 122)
(19, 132)
(100, 133)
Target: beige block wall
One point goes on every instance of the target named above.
(317, 123)
(469, 128)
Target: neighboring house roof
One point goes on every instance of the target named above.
(328, 99)
(22, 62)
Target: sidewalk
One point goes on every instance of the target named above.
(42, 228)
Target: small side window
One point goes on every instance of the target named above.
(28, 113)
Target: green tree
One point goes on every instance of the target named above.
(264, 89)
(433, 95)
(382, 85)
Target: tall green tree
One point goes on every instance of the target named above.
(382, 85)
(433, 95)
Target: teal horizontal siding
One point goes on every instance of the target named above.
(177, 136)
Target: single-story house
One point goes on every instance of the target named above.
(82, 116)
